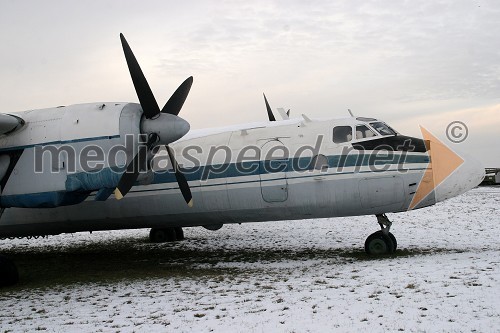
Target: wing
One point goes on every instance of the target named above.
(9, 123)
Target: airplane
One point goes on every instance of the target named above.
(114, 165)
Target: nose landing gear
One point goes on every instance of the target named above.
(382, 241)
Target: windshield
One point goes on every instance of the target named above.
(383, 128)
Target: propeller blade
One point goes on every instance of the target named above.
(176, 101)
(144, 93)
(269, 111)
(181, 180)
(130, 175)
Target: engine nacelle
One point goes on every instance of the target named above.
(63, 154)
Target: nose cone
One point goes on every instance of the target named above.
(168, 127)
(470, 174)
(447, 175)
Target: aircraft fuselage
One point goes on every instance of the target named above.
(291, 169)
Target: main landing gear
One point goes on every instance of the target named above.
(382, 241)
(8, 272)
(163, 235)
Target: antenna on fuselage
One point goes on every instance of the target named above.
(350, 112)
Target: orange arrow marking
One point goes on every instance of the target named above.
(443, 162)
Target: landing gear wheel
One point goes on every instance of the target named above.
(179, 233)
(378, 243)
(8, 272)
(166, 235)
(171, 235)
(157, 235)
(394, 241)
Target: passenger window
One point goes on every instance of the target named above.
(362, 132)
(342, 134)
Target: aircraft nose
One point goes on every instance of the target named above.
(470, 174)
(448, 174)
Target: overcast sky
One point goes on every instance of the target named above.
(408, 62)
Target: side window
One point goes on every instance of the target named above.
(382, 128)
(342, 134)
(362, 132)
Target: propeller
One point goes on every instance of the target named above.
(144, 93)
(132, 172)
(284, 115)
(181, 180)
(161, 126)
(269, 111)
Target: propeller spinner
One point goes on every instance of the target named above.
(160, 127)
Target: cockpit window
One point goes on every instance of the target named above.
(342, 134)
(362, 132)
(383, 128)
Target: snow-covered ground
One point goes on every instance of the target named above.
(289, 276)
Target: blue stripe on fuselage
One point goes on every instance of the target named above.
(79, 185)
(252, 168)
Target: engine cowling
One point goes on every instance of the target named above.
(63, 154)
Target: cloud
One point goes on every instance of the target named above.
(483, 125)
(388, 59)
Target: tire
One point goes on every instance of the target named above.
(394, 241)
(379, 244)
(8, 272)
(157, 235)
(179, 233)
(171, 235)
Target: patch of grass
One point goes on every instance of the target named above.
(134, 259)
(362, 255)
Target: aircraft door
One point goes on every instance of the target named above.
(273, 167)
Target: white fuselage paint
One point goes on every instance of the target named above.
(233, 198)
